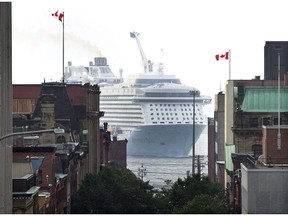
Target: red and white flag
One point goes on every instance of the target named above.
(58, 16)
(222, 56)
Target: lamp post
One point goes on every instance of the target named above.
(193, 133)
(279, 133)
(6, 174)
(55, 130)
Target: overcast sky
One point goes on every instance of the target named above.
(189, 32)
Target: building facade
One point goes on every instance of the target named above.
(5, 107)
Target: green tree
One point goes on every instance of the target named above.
(205, 204)
(114, 190)
(184, 191)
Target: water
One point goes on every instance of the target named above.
(160, 171)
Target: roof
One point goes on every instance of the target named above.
(265, 99)
(33, 190)
(36, 163)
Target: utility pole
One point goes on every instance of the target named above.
(193, 133)
(142, 172)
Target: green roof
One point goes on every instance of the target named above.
(265, 99)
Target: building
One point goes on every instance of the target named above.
(249, 106)
(264, 181)
(50, 178)
(271, 51)
(216, 156)
(25, 191)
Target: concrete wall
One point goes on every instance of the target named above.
(229, 112)
(5, 107)
(264, 190)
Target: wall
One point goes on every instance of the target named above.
(5, 107)
(264, 190)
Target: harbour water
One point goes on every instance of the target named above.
(160, 171)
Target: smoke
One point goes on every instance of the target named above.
(39, 55)
(80, 51)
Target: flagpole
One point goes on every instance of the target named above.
(279, 134)
(229, 64)
(63, 50)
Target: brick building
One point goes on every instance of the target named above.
(83, 149)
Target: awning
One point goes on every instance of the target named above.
(229, 149)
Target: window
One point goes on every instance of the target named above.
(275, 121)
(40, 176)
(253, 122)
(266, 121)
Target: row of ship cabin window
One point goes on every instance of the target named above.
(176, 114)
(174, 109)
(173, 105)
(163, 118)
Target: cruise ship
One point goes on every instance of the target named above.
(98, 72)
(153, 111)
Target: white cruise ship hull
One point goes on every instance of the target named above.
(163, 140)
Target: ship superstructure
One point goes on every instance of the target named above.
(98, 72)
(153, 111)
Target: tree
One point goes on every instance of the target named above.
(114, 190)
(180, 197)
(205, 204)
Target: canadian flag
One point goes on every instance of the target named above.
(58, 16)
(222, 56)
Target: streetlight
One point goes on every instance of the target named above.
(193, 134)
(55, 130)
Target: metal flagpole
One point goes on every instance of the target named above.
(229, 64)
(63, 49)
(279, 134)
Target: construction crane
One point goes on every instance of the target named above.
(147, 65)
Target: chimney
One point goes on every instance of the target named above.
(114, 138)
(105, 126)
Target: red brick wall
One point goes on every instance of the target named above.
(270, 145)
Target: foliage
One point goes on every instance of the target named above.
(184, 191)
(114, 190)
(205, 204)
